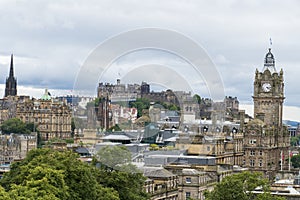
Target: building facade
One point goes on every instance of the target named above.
(51, 117)
(16, 146)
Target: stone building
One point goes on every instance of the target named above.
(16, 146)
(87, 136)
(226, 148)
(192, 183)
(266, 140)
(51, 117)
(161, 184)
(8, 106)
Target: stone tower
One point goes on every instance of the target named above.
(268, 93)
(11, 82)
(266, 140)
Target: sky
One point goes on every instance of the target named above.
(51, 41)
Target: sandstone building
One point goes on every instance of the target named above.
(50, 116)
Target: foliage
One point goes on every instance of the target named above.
(69, 141)
(49, 174)
(169, 106)
(144, 103)
(42, 183)
(4, 194)
(96, 102)
(197, 98)
(239, 187)
(117, 173)
(114, 128)
(154, 147)
(129, 185)
(295, 161)
(15, 125)
(294, 141)
(40, 142)
(112, 156)
(140, 104)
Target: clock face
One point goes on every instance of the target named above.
(266, 87)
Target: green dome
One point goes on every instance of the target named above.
(46, 96)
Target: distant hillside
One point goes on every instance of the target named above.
(290, 123)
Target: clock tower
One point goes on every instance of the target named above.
(266, 140)
(268, 93)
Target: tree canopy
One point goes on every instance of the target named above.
(296, 161)
(240, 187)
(294, 141)
(59, 175)
(140, 104)
(113, 156)
(15, 125)
(49, 174)
(118, 173)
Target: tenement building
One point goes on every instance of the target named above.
(50, 116)
(266, 140)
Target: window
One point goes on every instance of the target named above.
(253, 141)
(252, 153)
(260, 152)
(260, 163)
(188, 180)
(252, 163)
(187, 195)
(208, 148)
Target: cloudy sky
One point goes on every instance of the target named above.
(51, 40)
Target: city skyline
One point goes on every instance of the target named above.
(50, 49)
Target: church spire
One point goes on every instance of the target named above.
(11, 70)
(11, 82)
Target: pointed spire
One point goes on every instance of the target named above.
(11, 71)
(11, 81)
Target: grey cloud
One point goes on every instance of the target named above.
(60, 36)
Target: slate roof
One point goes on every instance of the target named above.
(82, 150)
(152, 172)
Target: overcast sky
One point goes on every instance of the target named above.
(52, 39)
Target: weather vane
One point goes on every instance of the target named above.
(270, 42)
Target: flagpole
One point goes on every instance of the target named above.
(281, 160)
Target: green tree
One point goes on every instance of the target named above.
(294, 141)
(140, 104)
(197, 98)
(42, 182)
(113, 156)
(129, 185)
(117, 173)
(15, 125)
(239, 187)
(55, 175)
(295, 161)
(4, 194)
